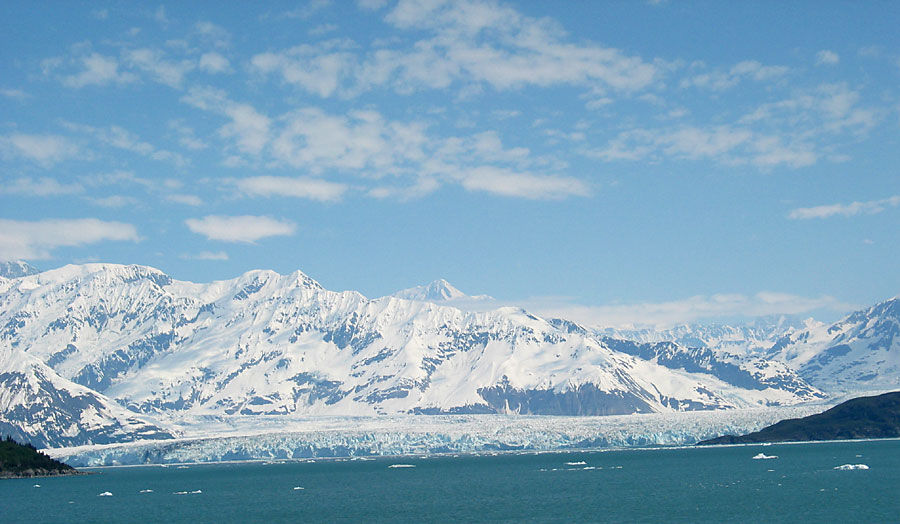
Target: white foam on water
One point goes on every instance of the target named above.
(146, 491)
(392, 466)
(849, 467)
(579, 463)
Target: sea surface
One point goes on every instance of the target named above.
(710, 484)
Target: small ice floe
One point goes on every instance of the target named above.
(196, 491)
(763, 456)
(298, 488)
(849, 467)
(402, 466)
(37, 485)
(179, 492)
(579, 463)
(105, 494)
(146, 491)
(586, 468)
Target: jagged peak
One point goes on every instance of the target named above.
(17, 269)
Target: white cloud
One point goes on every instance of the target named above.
(114, 201)
(186, 136)
(98, 70)
(474, 43)
(121, 138)
(508, 183)
(46, 150)
(214, 63)
(661, 315)
(35, 240)
(318, 69)
(826, 57)
(730, 145)
(206, 255)
(17, 94)
(299, 187)
(41, 187)
(246, 228)
(361, 141)
(870, 207)
(218, 35)
(188, 200)
(164, 71)
(249, 128)
(748, 69)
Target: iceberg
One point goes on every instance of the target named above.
(850, 467)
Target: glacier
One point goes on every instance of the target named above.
(306, 438)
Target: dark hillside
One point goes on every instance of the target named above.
(18, 460)
(859, 418)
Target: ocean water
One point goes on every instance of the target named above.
(716, 484)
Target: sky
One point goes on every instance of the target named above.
(614, 162)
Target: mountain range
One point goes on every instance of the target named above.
(108, 353)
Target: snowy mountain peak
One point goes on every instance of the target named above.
(437, 291)
(17, 269)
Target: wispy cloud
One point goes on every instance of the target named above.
(205, 255)
(748, 69)
(870, 207)
(45, 150)
(245, 228)
(826, 57)
(298, 187)
(26, 240)
(40, 187)
(98, 70)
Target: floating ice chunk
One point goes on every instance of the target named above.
(37, 485)
(588, 468)
(763, 456)
(196, 491)
(402, 466)
(179, 492)
(182, 467)
(105, 494)
(297, 488)
(146, 491)
(579, 463)
(848, 467)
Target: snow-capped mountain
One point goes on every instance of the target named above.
(859, 352)
(438, 291)
(16, 269)
(740, 339)
(40, 407)
(265, 343)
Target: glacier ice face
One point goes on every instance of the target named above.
(296, 438)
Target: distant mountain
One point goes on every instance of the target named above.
(270, 344)
(859, 352)
(437, 291)
(859, 418)
(745, 338)
(17, 269)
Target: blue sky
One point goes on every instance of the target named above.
(612, 161)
